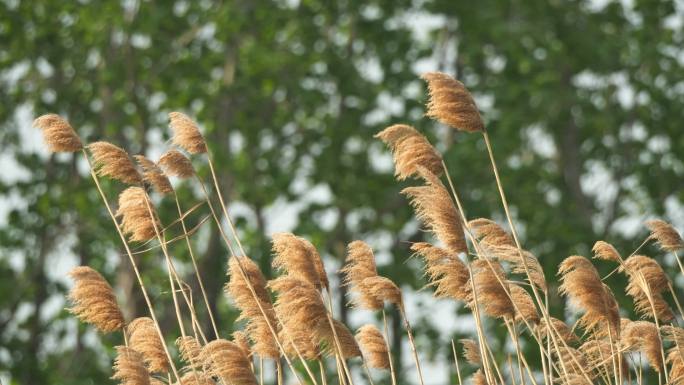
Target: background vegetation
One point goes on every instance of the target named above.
(584, 102)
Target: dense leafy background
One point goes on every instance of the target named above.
(584, 101)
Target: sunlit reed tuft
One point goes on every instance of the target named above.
(143, 338)
(665, 234)
(410, 150)
(374, 346)
(93, 300)
(153, 175)
(227, 361)
(136, 220)
(58, 133)
(445, 271)
(129, 367)
(186, 134)
(113, 162)
(174, 163)
(451, 103)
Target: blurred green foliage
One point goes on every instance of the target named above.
(584, 102)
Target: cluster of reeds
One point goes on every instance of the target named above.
(289, 319)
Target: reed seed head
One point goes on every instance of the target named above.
(490, 233)
(488, 277)
(134, 210)
(58, 133)
(434, 207)
(257, 327)
(190, 352)
(113, 162)
(227, 361)
(525, 309)
(143, 337)
(298, 257)
(93, 300)
(374, 346)
(382, 289)
(242, 340)
(359, 264)
(445, 271)
(646, 283)
(665, 234)
(129, 367)
(479, 378)
(451, 103)
(186, 134)
(174, 163)
(153, 175)
(410, 149)
(195, 378)
(606, 251)
(471, 351)
(348, 345)
(643, 336)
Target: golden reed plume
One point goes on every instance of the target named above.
(302, 314)
(643, 336)
(359, 265)
(605, 251)
(129, 367)
(226, 360)
(58, 133)
(174, 163)
(490, 233)
(382, 290)
(113, 162)
(645, 276)
(242, 340)
(374, 346)
(190, 352)
(257, 327)
(479, 378)
(471, 351)
(136, 220)
(153, 175)
(298, 257)
(451, 103)
(348, 345)
(186, 134)
(665, 234)
(525, 309)
(410, 149)
(491, 294)
(195, 378)
(556, 325)
(581, 283)
(143, 338)
(434, 207)
(93, 300)
(445, 271)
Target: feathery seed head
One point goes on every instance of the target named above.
(435, 209)
(471, 351)
(93, 300)
(58, 133)
(143, 337)
(227, 361)
(524, 305)
(186, 134)
(190, 351)
(374, 346)
(445, 271)
(410, 149)
(154, 175)
(297, 257)
(134, 211)
(174, 163)
(113, 162)
(129, 367)
(381, 289)
(665, 234)
(348, 345)
(451, 103)
(489, 232)
(606, 251)
(491, 295)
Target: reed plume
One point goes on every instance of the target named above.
(190, 351)
(383, 290)
(113, 162)
(665, 234)
(525, 309)
(605, 251)
(451, 103)
(302, 314)
(643, 336)
(174, 163)
(186, 134)
(374, 346)
(58, 133)
(555, 324)
(298, 257)
(410, 149)
(490, 233)
(479, 378)
(348, 345)
(471, 351)
(581, 283)
(257, 327)
(359, 265)
(129, 367)
(93, 300)
(194, 378)
(491, 295)
(136, 221)
(143, 338)
(522, 262)
(242, 340)
(153, 175)
(445, 271)
(434, 207)
(646, 283)
(226, 360)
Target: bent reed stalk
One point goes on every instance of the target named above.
(475, 262)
